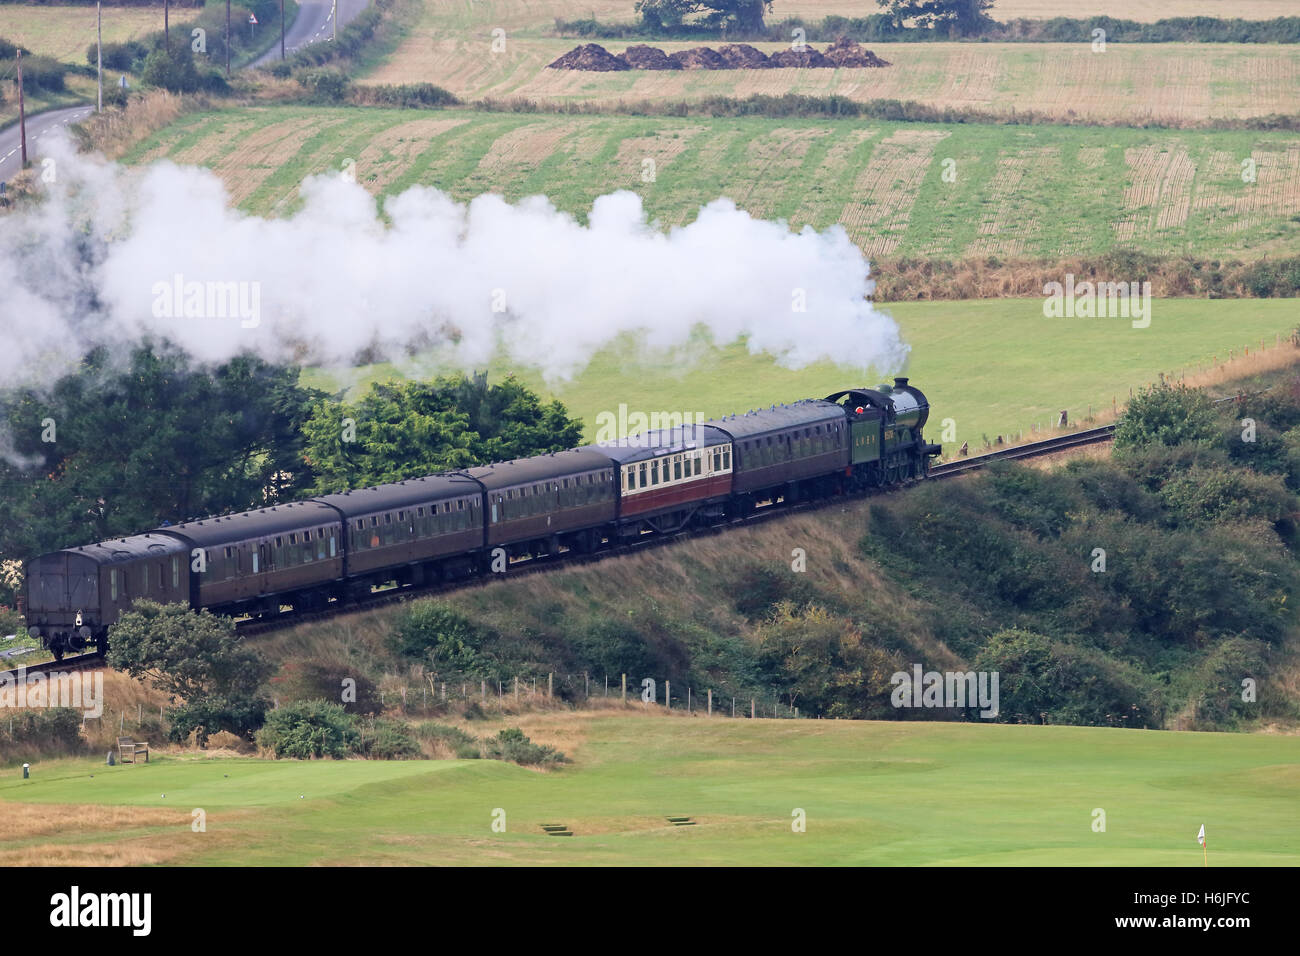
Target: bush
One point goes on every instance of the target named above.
(310, 729)
(240, 716)
(325, 86)
(39, 73)
(462, 745)
(386, 739)
(118, 56)
(511, 745)
(1167, 415)
(406, 96)
(432, 631)
(52, 730)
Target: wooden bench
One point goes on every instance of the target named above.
(128, 747)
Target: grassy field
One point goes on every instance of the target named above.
(450, 44)
(996, 367)
(874, 793)
(1043, 191)
(65, 32)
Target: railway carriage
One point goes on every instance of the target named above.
(536, 505)
(251, 560)
(338, 547)
(73, 596)
(414, 531)
(669, 477)
(786, 452)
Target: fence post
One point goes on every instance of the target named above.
(444, 692)
(688, 698)
(625, 688)
(733, 707)
(668, 694)
(710, 701)
(482, 689)
(139, 714)
(516, 687)
(751, 708)
(550, 685)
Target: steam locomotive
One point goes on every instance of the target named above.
(337, 548)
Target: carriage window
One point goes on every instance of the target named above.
(726, 459)
(144, 577)
(388, 518)
(176, 572)
(332, 552)
(654, 472)
(374, 521)
(112, 584)
(255, 562)
(677, 469)
(278, 542)
(293, 538)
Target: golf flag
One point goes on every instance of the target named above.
(1200, 837)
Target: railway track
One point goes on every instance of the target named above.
(395, 595)
(1089, 436)
(25, 672)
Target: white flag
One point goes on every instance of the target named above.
(1200, 837)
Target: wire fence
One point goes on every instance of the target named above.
(438, 692)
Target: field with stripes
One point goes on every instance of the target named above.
(1039, 191)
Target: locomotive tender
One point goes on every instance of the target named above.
(337, 547)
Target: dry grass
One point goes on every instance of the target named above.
(21, 821)
(113, 132)
(65, 32)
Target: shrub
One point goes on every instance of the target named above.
(511, 745)
(464, 746)
(325, 86)
(1167, 415)
(447, 640)
(386, 739)
(406, 96)
(309, 729)
(240, 716)
(118, 56)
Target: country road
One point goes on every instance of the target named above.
(312, 25)
(39, 125)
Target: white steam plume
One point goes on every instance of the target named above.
(95, 263)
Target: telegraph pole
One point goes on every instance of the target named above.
(167, 33)
(227, 39)
(22, 109)
(99, 55)
(334, 20)
(281, 29)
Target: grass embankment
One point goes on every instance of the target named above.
(873, 793)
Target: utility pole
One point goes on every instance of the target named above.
(99, 54)
(227, 39)
(281, 29)
(22, 109)
(334, 20)
(167, 32)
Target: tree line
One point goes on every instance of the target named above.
(120, 446)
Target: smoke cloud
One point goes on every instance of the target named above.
(114, 252)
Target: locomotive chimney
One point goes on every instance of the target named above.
(900, 381)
